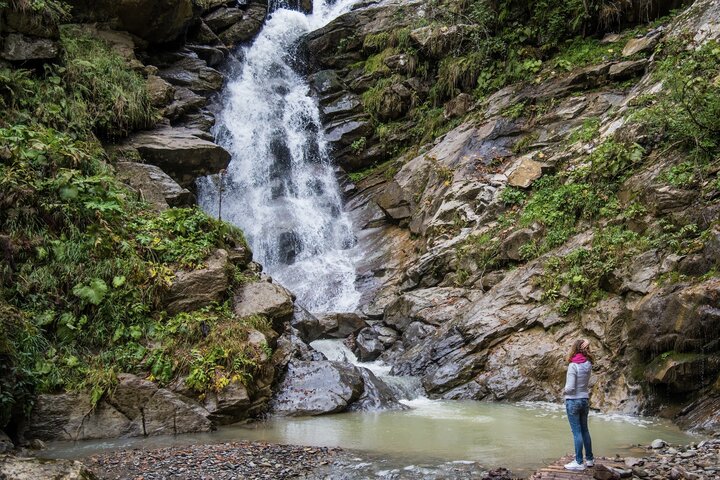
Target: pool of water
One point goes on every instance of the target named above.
(521, 436)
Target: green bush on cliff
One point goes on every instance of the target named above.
(84, 261)
(52, 11)
(93, 90)
(576, 279)
(114, 96)
(685, 114)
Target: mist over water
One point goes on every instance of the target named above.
(280, 187)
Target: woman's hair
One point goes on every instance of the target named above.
(580, 346)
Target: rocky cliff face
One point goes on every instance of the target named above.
(485, 255)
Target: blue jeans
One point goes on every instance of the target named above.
(577, 413)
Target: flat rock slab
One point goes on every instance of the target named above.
(181, 153)
(604, 469)
(25, 468)
(155, 186)
(263, 298)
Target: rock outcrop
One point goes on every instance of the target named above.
(29, 468)
(180, 152)
(137, 408)
(488, 330)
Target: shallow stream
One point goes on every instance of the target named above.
(521, 436)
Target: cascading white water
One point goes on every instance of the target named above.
(280, 187)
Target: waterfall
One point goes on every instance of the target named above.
(280, 186)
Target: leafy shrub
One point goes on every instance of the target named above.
(584, 270)
(558, 206)
(115, 96)
(686, 112)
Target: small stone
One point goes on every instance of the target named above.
(524, 173)
(657, 443)
(36, 444)
(632, 462)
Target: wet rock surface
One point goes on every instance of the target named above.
(319, 387)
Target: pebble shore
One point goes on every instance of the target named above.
(261, 461)
(699, 461)
(226, 461)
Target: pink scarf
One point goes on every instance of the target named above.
(578, 358)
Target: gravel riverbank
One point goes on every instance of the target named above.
(260, 461)
(225, 461)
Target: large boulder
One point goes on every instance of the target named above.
(371, 342)
(223, 18)
(20, 48)
(180, 152)
(340, 325)
(154, 186)
(166, 413)
(137, 407)
(192, 72)
(263, 298)
(315, 388)
(246, 28)
(70, 416)
(196, 288)
(156, 411)
(306, 324)
(30, 468)
(157, 21)
(319, 387)
(640, 45)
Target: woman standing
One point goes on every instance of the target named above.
(577, 403)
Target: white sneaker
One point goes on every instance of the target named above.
(574, 466)
(589, 463)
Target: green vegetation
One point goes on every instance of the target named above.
(113, 96)
(209, 345)
(583, 51)
(388, 168)
(495, 44)
(50, 11)
(585, 133)
(85, 263)
(686, 112)
(584, 270)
